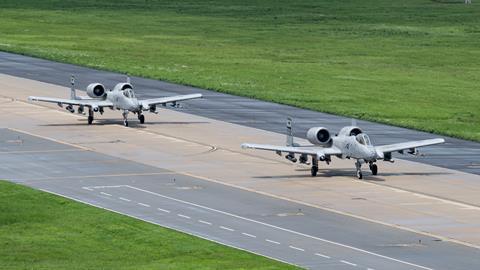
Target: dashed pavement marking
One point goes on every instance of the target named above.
(142, 204)
(349, 263)
(296, 248)
(249, 235)
(322, 255)
(226, 228)
(204, 222)
(273, 242)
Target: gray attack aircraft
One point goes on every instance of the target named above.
(351, 143)
(121, 97)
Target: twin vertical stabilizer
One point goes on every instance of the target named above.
(73, 93)
(289, 132)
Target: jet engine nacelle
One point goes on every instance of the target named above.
(122, 86)
(96, 90)
(350, 131)
(319, 136)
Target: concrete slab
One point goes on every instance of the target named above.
(407, 195)
(456, 154)
(288, 231)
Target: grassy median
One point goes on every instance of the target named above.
(412, 63)
(42, 231)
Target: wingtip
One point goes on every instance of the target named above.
(244, 145)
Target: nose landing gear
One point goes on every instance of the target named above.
(125, 120)
(358, 166)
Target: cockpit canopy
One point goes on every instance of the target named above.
(128, 93)
(363, 138)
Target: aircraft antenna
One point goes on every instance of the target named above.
(128, 78)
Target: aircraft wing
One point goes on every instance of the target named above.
(407, 145)
(297, 150)
(146, 103)
(79, 102)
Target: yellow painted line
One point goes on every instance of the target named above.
(443, 238)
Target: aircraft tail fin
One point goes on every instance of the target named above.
(73, 93)
(289, 132)
(354, 122)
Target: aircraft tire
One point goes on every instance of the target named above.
(141, 117)
(90, 120)
(359, 175)
(374, 169)
(314, 171)
(125, 123)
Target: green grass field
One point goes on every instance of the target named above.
(42, 231)
(412, 63)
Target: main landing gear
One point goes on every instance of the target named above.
(373, 168)
(90, 116)
(314, 169)
(141, 118)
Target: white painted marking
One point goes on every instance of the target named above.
(117, 186)
(249, 235)
(163, 210)
(347, 262)
(180, 215)
(322, 255)
(226, 228)
(124, 199)
(370, 269)
(87, 188)
(297, 248)
(142, 204)
(283, 229)
(205, 222)
(273, 242)
(164, 225)
(106, 194)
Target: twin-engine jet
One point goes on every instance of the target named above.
(121, 97)
(351, 143)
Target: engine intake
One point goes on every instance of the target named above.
(350, 131)
(96, 90)
(122, 86)
(319, 136)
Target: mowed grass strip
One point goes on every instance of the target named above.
(42, 231)
(412, 63)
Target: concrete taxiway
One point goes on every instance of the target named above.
(187, 172)
(455, 154)
(284, 230)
